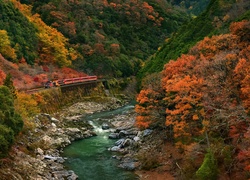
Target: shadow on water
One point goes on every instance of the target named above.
(90, 158)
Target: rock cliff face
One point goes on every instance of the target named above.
(36, 154)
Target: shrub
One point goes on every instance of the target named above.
(149, 160)
(6, 138)
(208, 169)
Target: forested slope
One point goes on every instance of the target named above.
(214, 20)
(46, 40)
(43, 39)
(112, 37)
(202, 103)
(195, 93)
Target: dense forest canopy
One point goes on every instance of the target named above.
(105, 38)
(214, 20)
(111, 35)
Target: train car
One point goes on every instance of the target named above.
(62, 82)
(48, 84)
(79, 79)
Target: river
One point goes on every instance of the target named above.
(90, 159)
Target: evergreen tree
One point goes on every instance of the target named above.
(9, 83)
(10, 122)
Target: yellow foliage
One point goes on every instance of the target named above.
(5, 48)
(26, 105)
(53, 43)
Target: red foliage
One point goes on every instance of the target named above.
(70, 73)
(45, 68)
(41, 78)
(2, 77)
(242, 75)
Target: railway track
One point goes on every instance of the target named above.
(35, 90)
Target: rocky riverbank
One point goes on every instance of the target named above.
(36, 154)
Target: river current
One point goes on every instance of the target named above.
(90, 159)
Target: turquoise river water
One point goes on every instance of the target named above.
(90, 159)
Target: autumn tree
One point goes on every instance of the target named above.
(184, 113)
(5, 46)
(27, 105)
(207, 96)
(52, 43)
(150, 111)
(10, 121)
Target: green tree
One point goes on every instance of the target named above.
(21, 32)
(11, 122)
(9, 83)
(6, 138)
(208, 169)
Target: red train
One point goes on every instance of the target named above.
(63, 82)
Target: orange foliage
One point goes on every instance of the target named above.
(242, 74)
(147, 101)
(99, 48)
(112, 5)
(138, 11)
(70, 73)
(241, 29)
(149, 107)
(115, 48)
(209, 91)
(184, 100)
(147, 7)
(183, 96)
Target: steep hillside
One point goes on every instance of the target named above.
(214, 20)
(193, 7)
(105, 38)
(21, 33)
(112, 38)
(200, 103)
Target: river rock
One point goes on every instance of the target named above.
(105, 126)
(147, 132)
(136, 138)
(122, 134)
(69, 175)
(113, 135)
(54, 120)
(115, 149)
(72, 175)
(126, 143)
(129, 165)
(39, 151)
(47, 140)
(119, 142)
